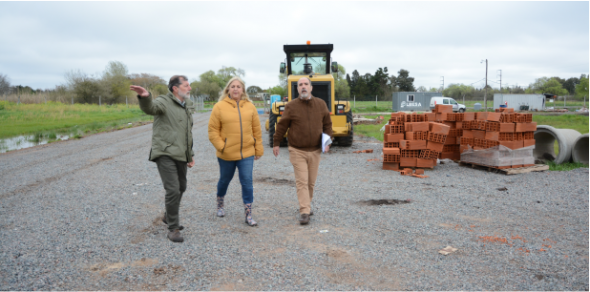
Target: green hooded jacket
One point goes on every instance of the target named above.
(172, 128)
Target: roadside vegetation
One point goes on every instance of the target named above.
(45, 121)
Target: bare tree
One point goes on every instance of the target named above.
(4, 84)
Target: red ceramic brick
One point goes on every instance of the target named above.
(418, 127)
(518, 136)
(506, 127)
(529, 135)
(491, 143)
(512, 144)
(466, 141)
(492, 127)
(450, 148)
(525, 127)
(412, 144)
(391, 166)
(494, 117)
(407, 162)
(482, 116)
(438, 147)
(441, 117)
(394, 137)
(468, 116)
(459, 125)
(478, 125)
(527, 143)
(409, 153)
(492, 136)
(419, 171)
(438, 138)
(391, 158)
(409, 135)
(392, 151)
(478, 134)
(451, 117)
(425, 163)
(439, 128)
(467, 134)
(506, 137)
(428, 154)
(430, 117)
(390, 144)
(450, 124)
(443, 108)
(466, 125)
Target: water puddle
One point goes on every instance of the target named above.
(26, 141)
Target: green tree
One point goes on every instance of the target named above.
(582, 88)
(226, 73)
(278, 90)
(341, 87)
(547, 85)
(458, 91)
(146, 80)
(404, 81)
(116, 83)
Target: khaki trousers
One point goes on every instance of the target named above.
(305, 166)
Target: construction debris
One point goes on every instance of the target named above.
(447, 250)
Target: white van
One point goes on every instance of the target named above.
(457, 107)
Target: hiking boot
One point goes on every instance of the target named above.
(248, 210)
(166, 222)
(175, 236)
(220, 210)
(304, 219)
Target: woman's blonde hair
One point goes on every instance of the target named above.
(225, 92)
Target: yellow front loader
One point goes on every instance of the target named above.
(313, 62)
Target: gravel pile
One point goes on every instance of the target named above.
(86, 215)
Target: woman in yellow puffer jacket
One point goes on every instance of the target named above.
(234, 130)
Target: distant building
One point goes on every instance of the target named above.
(515, 101)
(412, 101)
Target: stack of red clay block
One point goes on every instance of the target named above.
(503, 127)
(414, 140)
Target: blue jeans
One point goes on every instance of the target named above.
(226, 173)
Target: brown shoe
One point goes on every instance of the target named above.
(175, 236)
(304, 219)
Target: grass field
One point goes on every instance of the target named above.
(48, 119)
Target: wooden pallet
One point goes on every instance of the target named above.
(536, 167)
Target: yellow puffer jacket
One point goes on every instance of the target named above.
(235, 131)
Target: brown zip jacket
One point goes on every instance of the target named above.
(306, 120)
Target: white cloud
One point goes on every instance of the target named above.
(526, 40)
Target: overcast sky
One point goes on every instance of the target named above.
(41, 41)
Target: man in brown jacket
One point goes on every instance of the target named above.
(306, 117)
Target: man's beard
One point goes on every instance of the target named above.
(184, 95)
(305, 95)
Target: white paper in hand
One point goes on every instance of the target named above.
(326, 140)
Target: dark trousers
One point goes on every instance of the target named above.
(173, 174)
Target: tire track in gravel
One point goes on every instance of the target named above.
(16, 169)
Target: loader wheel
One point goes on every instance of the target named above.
(272, 120)
(347, 141)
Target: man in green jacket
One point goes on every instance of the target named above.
(172, 144)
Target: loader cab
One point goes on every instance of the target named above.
(314, 62)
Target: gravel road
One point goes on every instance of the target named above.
(86, 215)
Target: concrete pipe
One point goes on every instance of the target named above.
(545, 138)
(580, 149)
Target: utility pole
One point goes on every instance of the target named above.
(500, 80)
(485, 94)
(443, 86)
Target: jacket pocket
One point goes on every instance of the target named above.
(224, 145)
